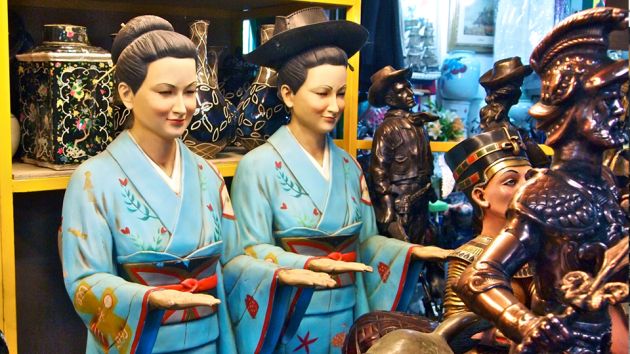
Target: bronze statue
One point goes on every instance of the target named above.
(489, 168)
(402, 163)
(566, 218)
(503, 89)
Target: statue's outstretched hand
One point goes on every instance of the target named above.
(169, 299)
(305, 278)
(430, 253)
(332, 266)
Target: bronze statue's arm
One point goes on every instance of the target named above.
(485, 286)
(382, 157)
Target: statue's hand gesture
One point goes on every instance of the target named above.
(430, 253)
(305, 278)
(169, 299)
(332, 266)
(547, 334)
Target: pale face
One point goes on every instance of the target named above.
(165, 102)
(319, 102)
(495, 197)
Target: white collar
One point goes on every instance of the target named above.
(175, 180)
(324, 168)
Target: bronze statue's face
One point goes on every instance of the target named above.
(600, 117)
(400, 95)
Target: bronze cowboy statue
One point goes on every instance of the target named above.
(567, 218)
(402, 163)
(503, 89)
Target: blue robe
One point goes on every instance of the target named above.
(288, 213)
(125, 231)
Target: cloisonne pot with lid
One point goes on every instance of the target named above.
(65, 87)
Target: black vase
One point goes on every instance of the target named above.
(260, 111)
(65, 87)
(213, 125)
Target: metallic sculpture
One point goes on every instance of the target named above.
(503, 89)
(402, 163)
(566, 218)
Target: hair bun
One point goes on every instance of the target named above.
(135, 28)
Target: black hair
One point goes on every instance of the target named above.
(143, 40)
(293, 72)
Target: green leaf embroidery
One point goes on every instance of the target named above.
(288, 185)
(134, 205)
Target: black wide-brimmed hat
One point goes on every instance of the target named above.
(382, 80)
(475, 160)
(305, 29)
(504, 71)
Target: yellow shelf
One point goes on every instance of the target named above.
(440, 146)
(23, 178)
(31, 178)
(436, 146)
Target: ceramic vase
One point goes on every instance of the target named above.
(65, 89)
(459, 78)
(260, 111)
(213, 124)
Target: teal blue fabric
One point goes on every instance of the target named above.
(278, 193)
(117, 210)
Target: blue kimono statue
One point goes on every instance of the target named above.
(124, 231)
(288, 213)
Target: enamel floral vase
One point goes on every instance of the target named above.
(213, 124)
(260, 111)
(65, 87)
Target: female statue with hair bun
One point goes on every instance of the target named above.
(141, 239)
(303, 202)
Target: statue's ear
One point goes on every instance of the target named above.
(478, 197)
(287, 96)
(126, 95)
(390, 97)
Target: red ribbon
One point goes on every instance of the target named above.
(192, 285)
(346, 257)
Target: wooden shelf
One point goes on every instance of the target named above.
(31, 178)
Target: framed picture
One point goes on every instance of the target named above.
(472, 25)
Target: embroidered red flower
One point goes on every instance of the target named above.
(278, 164)
(60, 151)
(283, 206)
(163, 230)
(383, 270)
(125, 231)
(123, 182)
(346, 160)
(209, 206)
(200, 166)
(354, 199)
(315, 212)
(252, 305)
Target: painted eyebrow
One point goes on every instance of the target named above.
(328, 87)
(171, 85)
(507, 172)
